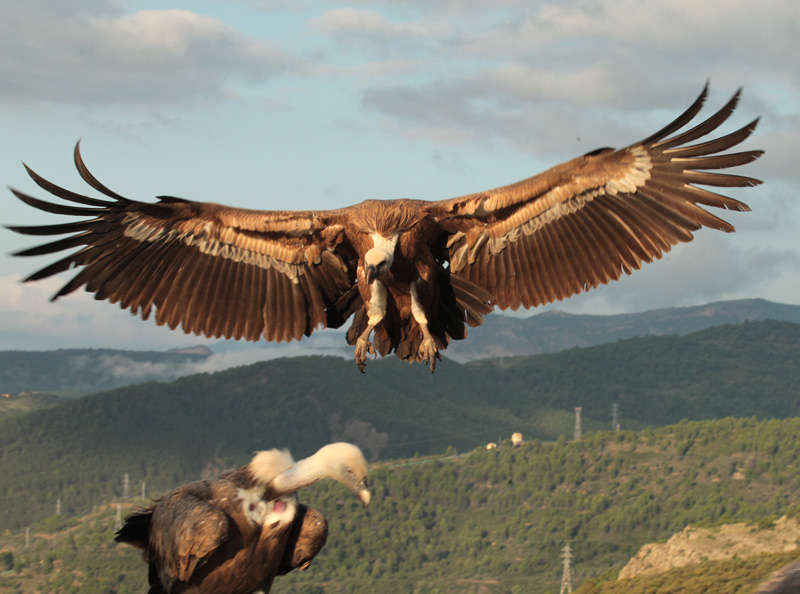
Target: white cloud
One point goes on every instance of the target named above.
(152, 57)
(30, 321)
(354, 26)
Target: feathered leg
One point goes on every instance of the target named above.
(376, 311)
(428, 351)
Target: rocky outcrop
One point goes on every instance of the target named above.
(693, 546)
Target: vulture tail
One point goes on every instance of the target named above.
(136, 529)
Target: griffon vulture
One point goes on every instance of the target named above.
(233, 534)
(412, 273)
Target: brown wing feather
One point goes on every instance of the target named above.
(184, 531)
(208, 268)
(585, 222)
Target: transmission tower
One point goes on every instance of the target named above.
(58, 506)
(126, 486)
(578, 431)
(144, 484)
(118, 520)
(615, 417)
(566, 579)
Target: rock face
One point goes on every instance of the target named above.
(784, 581)
(697, 545)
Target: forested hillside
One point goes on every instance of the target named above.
(489, 521)
(169, 433)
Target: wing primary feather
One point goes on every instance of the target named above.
(54, 208)
(56, 267)
(717, 161)
(703, 128)
(725, 180)
(56, 246)
(709, 198)
(115, 272)
(713, 146)
(60, 228)
(138, 273)
(91, 179)
(683, 119)
(64, 194)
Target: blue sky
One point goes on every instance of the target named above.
(280, 104)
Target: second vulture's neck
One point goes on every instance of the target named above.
(304, 473)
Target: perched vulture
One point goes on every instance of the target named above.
(233, 534)
(412, 273)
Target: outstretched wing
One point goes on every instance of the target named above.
(185, 530)
(584, 222)
(209, 268)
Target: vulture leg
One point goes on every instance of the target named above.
(376, 310)
(427, 350)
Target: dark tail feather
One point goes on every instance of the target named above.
(136, 529)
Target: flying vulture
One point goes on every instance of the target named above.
(411, 273)
(233, 534)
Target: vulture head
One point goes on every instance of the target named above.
(342, 462)
(379, 259)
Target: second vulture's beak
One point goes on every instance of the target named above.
(363, 494)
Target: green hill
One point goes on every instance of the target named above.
(169, 433)
(488, 521)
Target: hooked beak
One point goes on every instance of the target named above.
(372, 274)
(363, 494)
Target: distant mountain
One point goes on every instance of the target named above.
(84, 371)
(554, 331)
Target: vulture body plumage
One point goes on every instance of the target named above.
(235, 533)
(412, 274)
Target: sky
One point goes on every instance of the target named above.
(279, 104)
